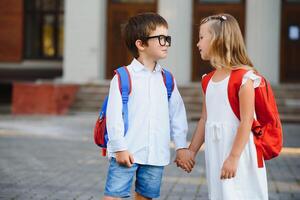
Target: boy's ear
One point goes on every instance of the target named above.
(139, 45)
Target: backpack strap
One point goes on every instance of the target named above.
(125, 89)
(205, 80)
(234, 84)
(102, 112)
(169, 82)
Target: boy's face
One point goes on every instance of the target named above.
(157, 47)
(204, 41)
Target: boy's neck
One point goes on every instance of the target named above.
(148, 63)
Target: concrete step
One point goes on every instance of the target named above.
(290, 118)
(94, 90)
(287, 118)
(5, 108)
(85, 109)
(90, 98)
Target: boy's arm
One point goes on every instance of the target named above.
(114, 119)
(115, 125)
(178, 121)
(198, 136)
(196, 143)
(184, 157)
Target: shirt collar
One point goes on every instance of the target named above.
(137, 66)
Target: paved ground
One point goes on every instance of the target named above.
(55, 158)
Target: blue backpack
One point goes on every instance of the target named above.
(100, 131)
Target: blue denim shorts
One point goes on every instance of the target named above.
(119, 180)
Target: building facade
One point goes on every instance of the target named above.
(77, 41)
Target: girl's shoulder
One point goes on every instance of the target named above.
(243, 73)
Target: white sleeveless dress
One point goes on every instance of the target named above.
(221, 126)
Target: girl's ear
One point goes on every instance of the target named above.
(139, 45)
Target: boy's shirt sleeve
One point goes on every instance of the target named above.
(114, 119)
(178, 120)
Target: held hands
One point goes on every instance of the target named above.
(185, 159)
(229, 168)
(124, 158)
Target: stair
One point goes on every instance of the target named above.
(5, 108)
(90, 97)
(288, 101)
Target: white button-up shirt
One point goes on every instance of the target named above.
(152, 119)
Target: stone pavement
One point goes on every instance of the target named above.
(55, 158)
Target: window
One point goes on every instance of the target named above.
(44, 29)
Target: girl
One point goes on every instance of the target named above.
(230, 153)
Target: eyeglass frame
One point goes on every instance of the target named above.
(166, 38)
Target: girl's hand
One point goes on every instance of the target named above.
(185, 159)
(229, 168)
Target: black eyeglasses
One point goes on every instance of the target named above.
(222, 18)
(162, 39)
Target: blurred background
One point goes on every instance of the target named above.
(71, 42)
(58, 56)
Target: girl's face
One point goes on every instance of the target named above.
(204, 41)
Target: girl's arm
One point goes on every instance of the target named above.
(186, 159)
(198, 137)
(246, 98)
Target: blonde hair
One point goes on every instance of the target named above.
(227, 47)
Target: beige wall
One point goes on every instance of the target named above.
(85, 24)
(85, 44)
(178, 13)
(263, 36)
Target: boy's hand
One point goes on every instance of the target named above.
(229, 167)
(124, 158)
(185, 159)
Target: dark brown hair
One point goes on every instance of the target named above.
(139, 27)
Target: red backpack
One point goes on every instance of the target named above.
(266, 128)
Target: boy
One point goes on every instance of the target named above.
(152, 119)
